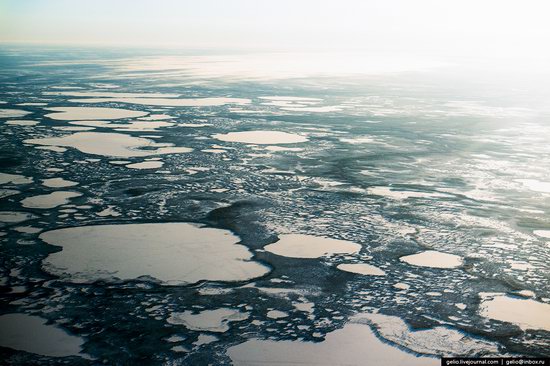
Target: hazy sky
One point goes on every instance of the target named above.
(497, 27)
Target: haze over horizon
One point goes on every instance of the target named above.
(507, 29)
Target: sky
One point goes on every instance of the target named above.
(499, 28)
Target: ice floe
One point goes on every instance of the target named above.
(21, 122)
(103, 94)
(176, 338)
(119, 162)
(110, 144)
(52, 148)
(67, 87)
(172, 253)
(109, 211)
(146, 165)
(13, 113)
(304, 306)
(15, 216)
(217, 320)
(402, 194)
(542, 233)
(180, 349)
(205, 339)
(14, 179)
(73, 128)
(439, 341)
(289, 102)
(27, 229)
(8, 192)
(353, 345)
(309, 246)
(91, 113)
(143, 126)
(31, 334)
(261, 137)
(168, 102)
(525, 313)
(50, 200)
(361, 268)
(461, 306)
(401, 286)
(323, 109)
(33, 104)
(155, 117)
(58, 183)
(282, 148)
(526, 293)
(276, 314)
(291, 98)
(433, 258)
